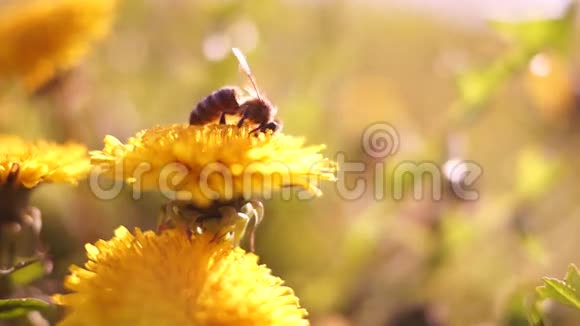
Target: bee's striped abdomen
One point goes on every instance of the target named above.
(210, 108)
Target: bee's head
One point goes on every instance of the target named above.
(275, 126)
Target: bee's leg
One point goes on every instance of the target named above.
(259, 207)
(166, 218)
(223, 119)
(243, 119)
(254, 209)
(274, 126)
(232, 226)
(240, 227)
(259, 128)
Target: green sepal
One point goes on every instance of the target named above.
(13, 308)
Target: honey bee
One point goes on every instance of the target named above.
(229, 100)
(225, 221)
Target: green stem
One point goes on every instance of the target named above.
(14, 201)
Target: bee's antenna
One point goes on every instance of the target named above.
(246, 69)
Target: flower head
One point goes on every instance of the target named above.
(173, 279)
(40, 37)
(28, 164)
(204, 164)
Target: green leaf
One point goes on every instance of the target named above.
(534, 314)
(12, 308)
(521, 310)
(477, 85)
(565, 291)
(27, 273)
(24, 272)
(541, 33)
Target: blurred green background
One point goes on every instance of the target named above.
(452, 85)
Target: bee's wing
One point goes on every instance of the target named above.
(242, 61)
(251, 91)
(245, 67)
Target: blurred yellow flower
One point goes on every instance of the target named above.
(204, 164)
(40, 37)
(171, 279)
(28, 164)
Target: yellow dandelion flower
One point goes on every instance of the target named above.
(28, 164)
(171, 279)
(205, 164)
(40, 37)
